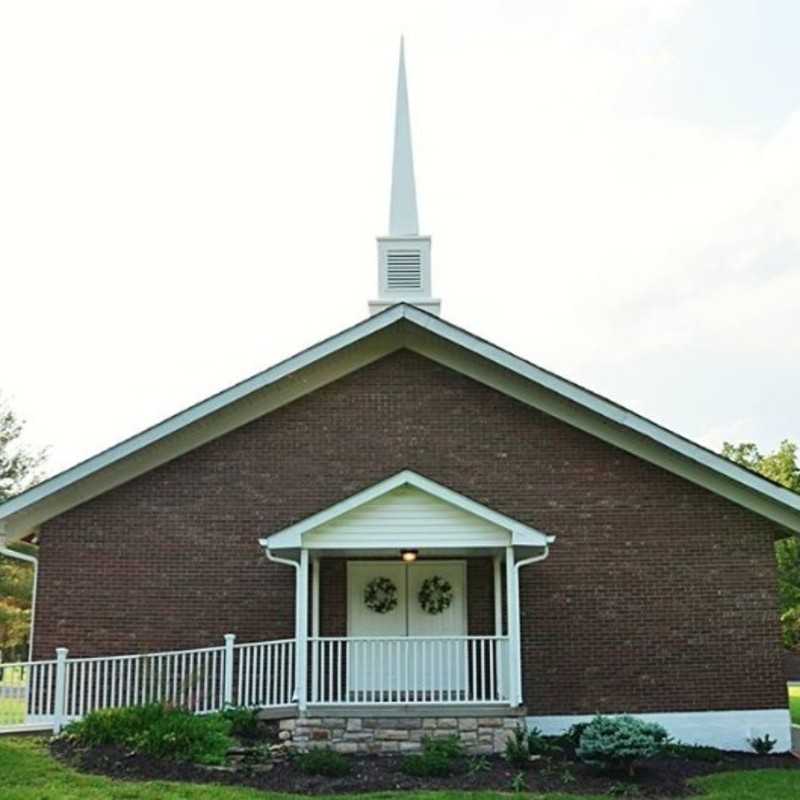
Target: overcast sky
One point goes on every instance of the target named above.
(190, 191)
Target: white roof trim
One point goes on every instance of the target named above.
(605, 409)
(521, 534)
(197, 412)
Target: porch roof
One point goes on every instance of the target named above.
(385, 517)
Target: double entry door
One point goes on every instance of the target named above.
(406, 654)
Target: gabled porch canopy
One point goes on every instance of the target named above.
(390, 516)
(409, 511)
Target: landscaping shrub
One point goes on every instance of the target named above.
(573, 735)
(427, 765)
(158, 731)
(695, 752)
(763, 745)
(323, 761)
(516, 750)
(519, 783)
(523, 743)
(617, 743)
(448, 746)
(437, 757)
(244, 721)
(478, 764)
(541, 745)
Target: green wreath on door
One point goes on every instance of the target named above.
(380, 595)
(435, 595)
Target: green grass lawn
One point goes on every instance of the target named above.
(794, 703)
(28, 773)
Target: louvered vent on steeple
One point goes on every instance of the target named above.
(403, 269)
(404, 257)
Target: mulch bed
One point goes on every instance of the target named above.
(662, 777)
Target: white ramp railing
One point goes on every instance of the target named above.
(264, 674)
(38, 695)
(27, 693)
(187, 678)
(444, 670)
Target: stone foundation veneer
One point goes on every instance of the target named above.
(383, 735)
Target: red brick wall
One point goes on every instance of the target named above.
(658, 595)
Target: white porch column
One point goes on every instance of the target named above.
(301, 630)
(315, 645)
(501, 655)
(514, 649)
(498, 596)
(314, 597)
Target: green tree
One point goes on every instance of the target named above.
(782, 467)
(19, 469)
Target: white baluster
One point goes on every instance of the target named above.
(340, 690)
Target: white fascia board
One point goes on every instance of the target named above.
(192, 416)
(610, 411)
(195, 426)
(521, 534)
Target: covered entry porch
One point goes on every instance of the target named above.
(407, 594)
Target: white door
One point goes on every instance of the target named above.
(369, 673)
(440, 663)
(389, 669)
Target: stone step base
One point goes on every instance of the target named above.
(397, 734)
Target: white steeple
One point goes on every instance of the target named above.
(404, 257)
(403, 212)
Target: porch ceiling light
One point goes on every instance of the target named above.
(409, 555)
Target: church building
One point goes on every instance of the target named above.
(407, 528)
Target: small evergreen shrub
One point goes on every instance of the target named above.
(573, 735)
(244, 721)
(447, 746)
(323, 761)
(159, 731)
(516, 749)
(437, 759)
(478, 764)
(763, 745)
(522, 744)
(541, 745)
(518, 783)
(617, 743)
(567, 776)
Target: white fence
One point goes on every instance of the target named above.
(448, 670)
(38, 695)
(265, 674)
(409, 669)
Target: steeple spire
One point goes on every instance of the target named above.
(403, 214)
(404, 257)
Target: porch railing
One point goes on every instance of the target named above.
(357, 670)
(402, 670)
(265, 674)
(48, 694)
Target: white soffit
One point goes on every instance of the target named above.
(398, 327)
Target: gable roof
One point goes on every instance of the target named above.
(398, 327)
(518, 532)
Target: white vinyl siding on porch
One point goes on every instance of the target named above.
(406, 517)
